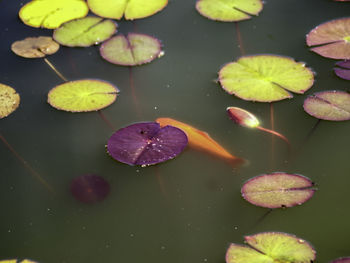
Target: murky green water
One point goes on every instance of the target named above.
(188, 209)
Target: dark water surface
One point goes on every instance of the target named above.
(188, 209)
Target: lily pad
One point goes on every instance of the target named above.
(341, 260)
(229, 10)
(332, 105)
(9, 100)
(82, 95)
(265, 78)
(131, 9)
(17, 261)
(84, 32)
(269, 247)
(146, 143)
(278, 190)
(342, 69)
(89, 188)
(331, 39)
(35, 47)
(52, 13)
(132, 50)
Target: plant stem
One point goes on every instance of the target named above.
(239, 38)
(27, 166)
(54, 69)
(103, 117)
(275, 133)
(133, 93)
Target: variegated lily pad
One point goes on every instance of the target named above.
(35, 47)
(332, 105)
(265, 78)
(84, 32)
(278, 190)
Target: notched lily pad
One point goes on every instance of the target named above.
(146, 143)
(342, 69)
(271, 247)
(82, 95)
(331, 39)
(52, 13)
(130, 9)
(265, 78)
(229, 10)
(89, 188)
(131, 50)
(9, 100)
(332, 105)
(35, 47)
(84, 32)
(278, 190)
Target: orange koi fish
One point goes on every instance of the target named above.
(200, 140)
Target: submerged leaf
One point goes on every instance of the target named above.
(9, 100)
(82, 95)
(131, 9)
(35, 47)
(265, 78)
(331, 39)
(84, 32)
(332, 105)
(269, 247)
(89, 188)
(146, 143)
(132, 50)
(278, 190)
(52, 13)
(229, 10)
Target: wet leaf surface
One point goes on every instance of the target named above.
(269, 247)
(265, 78)
(52, 13)
(9, 100)
(84, 32)
(89, 188)
(332, 105)
(130, 9)
(331, 39)
(277, 190)
(82, 95)
(146, 143)
(35, 47)
(229, 10)
(131, 50)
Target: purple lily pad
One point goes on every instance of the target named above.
(333, 105)
(341, 260)
(278, 190)
(344, 69)
(89, 188)
(146, 143)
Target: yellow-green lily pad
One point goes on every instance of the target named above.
(82, 95)
(130, 9)
(35, 47)
(17, 261)
(265, 78)
(9, 100)
(229, 10)
(271, 247)
(131, 50)
(52, 13)
(84, 32)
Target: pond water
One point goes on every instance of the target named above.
(188, 209)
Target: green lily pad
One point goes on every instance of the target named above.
(84, 32)
(131, 9)
(278, 190)
(229, 10)
(9, 100)
(82, 95)
(265, 78)
(131, 50)
(271, 247)
(331, 39)
(333, 105)
(52, 13)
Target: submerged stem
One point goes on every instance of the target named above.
(239, 38)
(27, 166)
(54, 69)
(275, 133)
